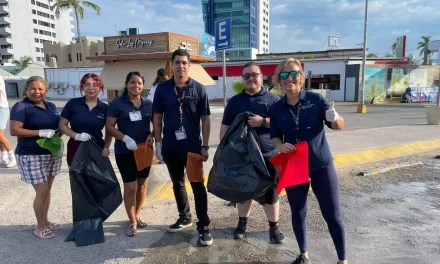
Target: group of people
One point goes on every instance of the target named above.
(178, 108)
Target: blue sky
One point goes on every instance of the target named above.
(295, 25)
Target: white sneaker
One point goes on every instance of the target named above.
(4, 160)
(12, 162)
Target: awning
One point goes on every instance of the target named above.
(114, 73)
(198, 73)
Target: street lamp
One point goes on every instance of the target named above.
(362, 108)
(116, 30)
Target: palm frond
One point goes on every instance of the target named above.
(91, 5)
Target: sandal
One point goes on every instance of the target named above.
(53, 226)
(141, 223)
(44, 234)
(131, 231)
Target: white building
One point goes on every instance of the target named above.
(263, 26)
(26, 24)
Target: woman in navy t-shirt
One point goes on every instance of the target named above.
(132, 115)
(86, 116)
(31, 119)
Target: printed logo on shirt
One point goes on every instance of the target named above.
(100, 116)
(189, 94)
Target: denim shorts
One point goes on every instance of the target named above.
(4, 117)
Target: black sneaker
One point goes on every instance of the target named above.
(205, 237)
(275, 235)
(241, 228)
(301, 259)
(179, 225)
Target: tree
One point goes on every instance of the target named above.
(23, 62)
(389, 55)
(372, 55)
(78, 8)
(237, 86)
(423, 46)
(308, 57)
(394, 48)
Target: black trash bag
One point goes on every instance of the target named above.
(96, 194)
(239, 172)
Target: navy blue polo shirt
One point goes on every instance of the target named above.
(195, 106)
(34, 118)
(311, 126)
(124, 110)
(84, 120)
(258, 104)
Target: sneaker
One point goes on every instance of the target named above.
(12, 162)
(205, 237)
(4, 160)
(179, 225)
(241, 229)
(301, 259)
(275, 235)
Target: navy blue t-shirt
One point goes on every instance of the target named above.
(311, 126)
(132, 121)
(84, 120)
(258, 104)
(34, 118)
(195, 106)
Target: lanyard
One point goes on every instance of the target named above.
(180, 101)
(296, 118)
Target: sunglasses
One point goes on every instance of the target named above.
(254, 75)
(285, 75)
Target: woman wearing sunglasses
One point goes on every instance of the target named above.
(300, 116)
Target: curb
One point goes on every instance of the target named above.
(389, 168)
(164, 191)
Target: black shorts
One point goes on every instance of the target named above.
(128, 169)
(271, 196)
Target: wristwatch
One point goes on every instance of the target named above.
(205, 147)
(263, 123)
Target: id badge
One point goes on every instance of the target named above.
(135, 116)
(180, 134)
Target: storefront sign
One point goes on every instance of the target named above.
(137, 43)
(185, 46)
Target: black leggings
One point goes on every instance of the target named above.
(325, 185)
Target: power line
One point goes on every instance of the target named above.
(323, 44)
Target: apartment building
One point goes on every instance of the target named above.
(26, 24)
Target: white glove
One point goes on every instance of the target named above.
(46, 133)
(82, 137)
(331, 115)
(159, 150)
(130, 143)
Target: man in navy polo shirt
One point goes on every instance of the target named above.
(182, 102)
(255, 99)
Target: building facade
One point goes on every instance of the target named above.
(249, 25)
(25, 25)
(69, 55)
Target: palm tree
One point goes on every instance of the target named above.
(423, 46)
(394, 48)
(78, 8)
(23, 62)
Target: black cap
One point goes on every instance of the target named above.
(161, 72)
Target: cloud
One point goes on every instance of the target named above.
(294, 25)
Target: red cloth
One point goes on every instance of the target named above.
(293, 167)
